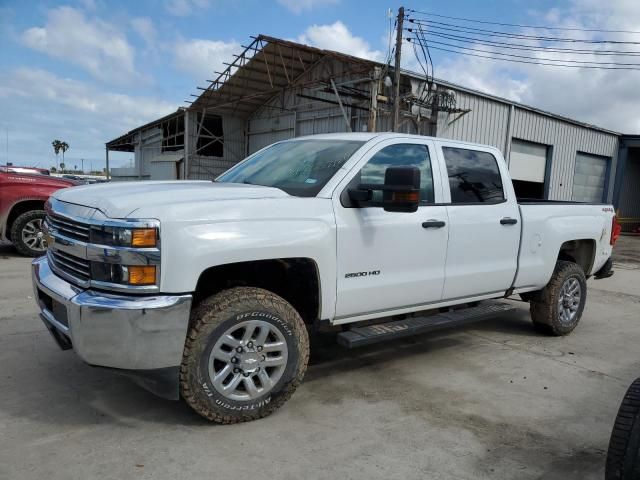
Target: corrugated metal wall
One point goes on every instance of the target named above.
(488, 123)
(566, 140)
(207, 168)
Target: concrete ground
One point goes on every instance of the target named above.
(494, 401)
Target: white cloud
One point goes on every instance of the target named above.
(127, 111)
(201, 58)
(144, 27)
(337, 37)
(607, 98)
(298, 6)
(95, 45)
(183, 8)
(43, 106)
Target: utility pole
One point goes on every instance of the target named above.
(396, 99)
(82, 160)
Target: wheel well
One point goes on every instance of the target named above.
(294, 279)
(581, 252)
(20, 208)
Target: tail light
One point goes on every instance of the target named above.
(616, 228)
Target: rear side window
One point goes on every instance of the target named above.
(474, 176)
(406, 154)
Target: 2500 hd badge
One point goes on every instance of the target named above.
(362, 274)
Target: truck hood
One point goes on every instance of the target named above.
(122, 199)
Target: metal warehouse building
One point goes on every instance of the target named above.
(277, 89)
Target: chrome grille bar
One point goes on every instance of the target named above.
(70, 228)
(71, 265)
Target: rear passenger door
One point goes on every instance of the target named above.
(484, 222)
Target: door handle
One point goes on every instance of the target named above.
(508, 221)
(433, 224)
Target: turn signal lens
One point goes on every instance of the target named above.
(406, 196)
(142, 274)
(144, 237)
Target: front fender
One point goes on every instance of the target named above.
(188, 250)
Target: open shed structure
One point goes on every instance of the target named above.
(273, 90)
(277, 89)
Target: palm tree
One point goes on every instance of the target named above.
(64, 146)
(57, 145)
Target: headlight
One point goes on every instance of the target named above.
(124, 237)
(123, 274)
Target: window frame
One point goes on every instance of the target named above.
(507, 191)
(341, 191)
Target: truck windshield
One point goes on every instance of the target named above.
(300, 167)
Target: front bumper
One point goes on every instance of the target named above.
(143, 336)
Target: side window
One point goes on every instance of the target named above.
(474, 176)
(395, 156)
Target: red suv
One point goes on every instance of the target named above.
(23, 192)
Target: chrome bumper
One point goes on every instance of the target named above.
(143, 335)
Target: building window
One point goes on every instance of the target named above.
(210, 139)
(408, 155)
(173, 134)
(474, 176)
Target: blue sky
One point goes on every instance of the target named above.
(87, 71)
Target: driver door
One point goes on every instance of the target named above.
(390, 260)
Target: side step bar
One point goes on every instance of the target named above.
(359, 336)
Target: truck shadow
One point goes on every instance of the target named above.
(80, 395)
(7, 251)
(327, 357)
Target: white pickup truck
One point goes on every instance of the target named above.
(207, 290)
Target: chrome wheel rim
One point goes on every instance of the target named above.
(247, 360)
(569, 301)
(33, 236)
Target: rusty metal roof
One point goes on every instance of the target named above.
(266, 67)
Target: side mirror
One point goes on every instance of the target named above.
(400, 191)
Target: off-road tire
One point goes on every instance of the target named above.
(209, 320)
(544, 304)
(16, 233)
(623, 457)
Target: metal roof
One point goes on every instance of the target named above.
(125, 142)
(268, 65)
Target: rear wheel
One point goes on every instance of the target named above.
(557, 308)
(246, 352)
(27, 235)
(623, 457)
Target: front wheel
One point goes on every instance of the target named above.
(246, 352)
(557, 308)
(27, 235)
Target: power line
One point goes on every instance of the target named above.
(431, 14)
(535, 63)
(524, 56)
(495, 33)
(520, 46)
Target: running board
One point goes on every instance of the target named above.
(359, 336)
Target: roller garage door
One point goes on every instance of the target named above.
(589, 178)
(528, 165)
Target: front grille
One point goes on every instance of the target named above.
(69, 228)
(71, 265)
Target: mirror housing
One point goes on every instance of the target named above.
(400, 191)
